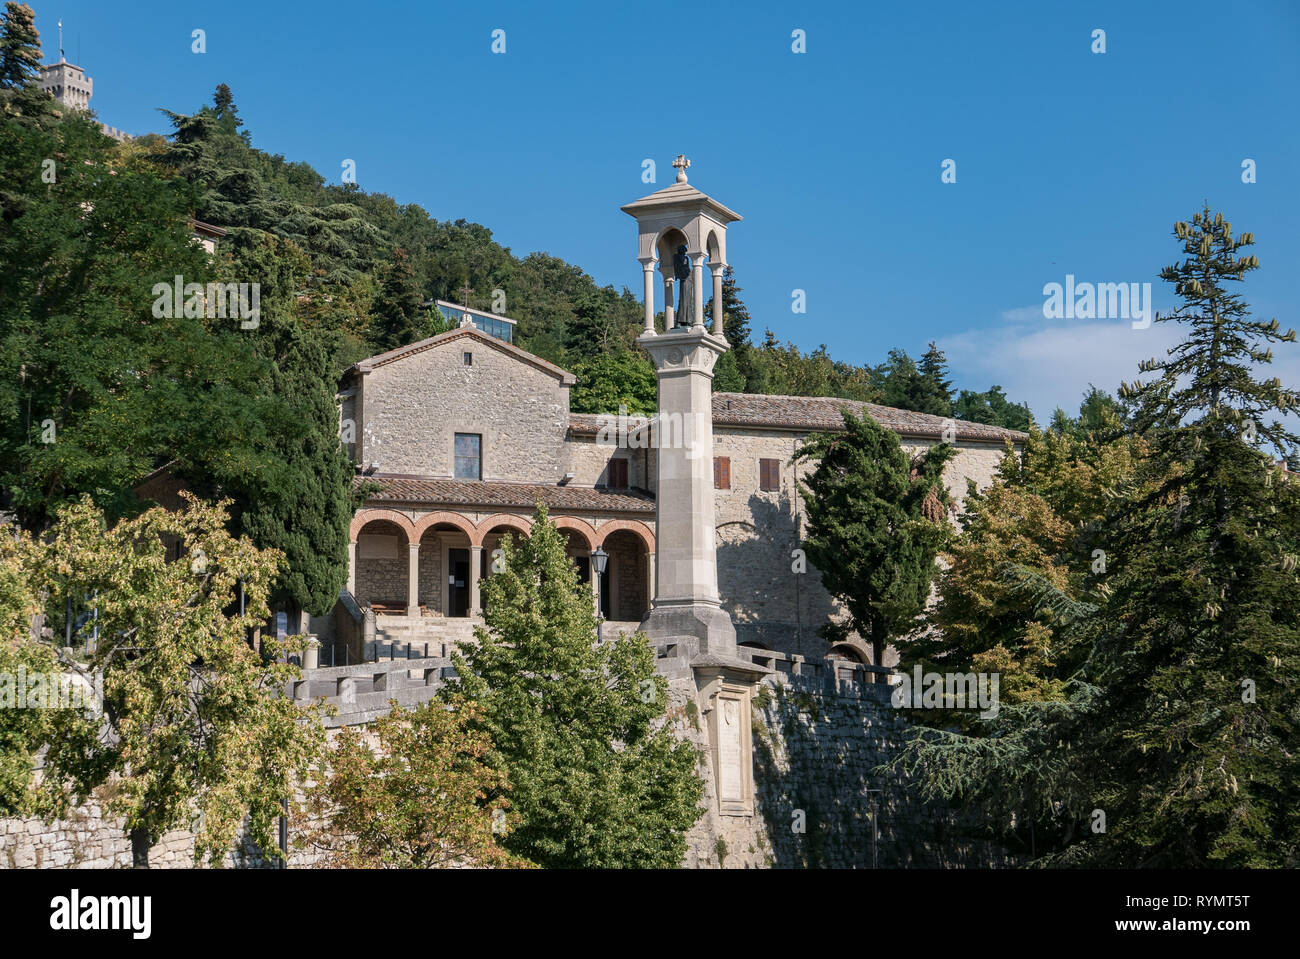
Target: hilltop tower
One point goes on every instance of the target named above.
(67, 83)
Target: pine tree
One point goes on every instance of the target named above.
(576, 726)
(1179, 725)
(875, 524)
(400, 316)
(1201, 644)
(737, 374)
(903, 386)
(20, 48)
(936, 387)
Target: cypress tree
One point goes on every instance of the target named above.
(873, 526)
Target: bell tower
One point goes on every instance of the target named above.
(681, 230)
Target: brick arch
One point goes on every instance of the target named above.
(632, 526)
(743, 524)
(462, 523)
(580, 526)
(853, 648)
(500, 519)
(364, 516)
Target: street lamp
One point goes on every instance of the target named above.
(599, 560)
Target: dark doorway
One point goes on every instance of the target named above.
(458, 582)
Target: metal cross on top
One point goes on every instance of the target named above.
(681, 164)
(466, 291)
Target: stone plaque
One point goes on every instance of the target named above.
(731, 771)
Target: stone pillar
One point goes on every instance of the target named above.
(352, 568)
(648, 268)
(697, 307)
(670, 311)
(717, 269)
(475, 599)
(650, 576)
(413, 579)
(686, 579)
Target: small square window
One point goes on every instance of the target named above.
(469, 359)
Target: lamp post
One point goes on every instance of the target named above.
(599, 560)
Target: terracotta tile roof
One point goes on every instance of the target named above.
(446, 492)
(821, 413)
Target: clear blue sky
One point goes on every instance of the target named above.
(1067, 161)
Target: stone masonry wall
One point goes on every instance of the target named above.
(816, 756)
(411, 409)
(757, 531)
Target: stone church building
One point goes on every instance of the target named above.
(458, 436)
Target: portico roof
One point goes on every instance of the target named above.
(437, 491)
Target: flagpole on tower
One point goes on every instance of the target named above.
(61, 41)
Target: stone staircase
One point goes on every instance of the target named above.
(418, 637)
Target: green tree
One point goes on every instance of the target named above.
(1202, 597)
(288, 475)
(936, 387)
(102, 379)
(400, 315)
(303, 504)
(578, 728)
(875, 524)
(736, 369)
(195, 726)
(420, 801)
(904, 387)
(993, 407)
(20, 48)
(1179, 724)
(612, 380)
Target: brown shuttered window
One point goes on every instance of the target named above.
(617, 474)
(722, 472)
(769, 475)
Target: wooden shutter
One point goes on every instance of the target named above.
(722, 472)
(769, 474)
(618, 474)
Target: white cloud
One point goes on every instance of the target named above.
(1049, 363)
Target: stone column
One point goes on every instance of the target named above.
(717, 270)
(648, 268)
(650, 576)
(697, 308)
(352, 568)
(475, 599)
(686, 602)
(670, 311)
(413, 579)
